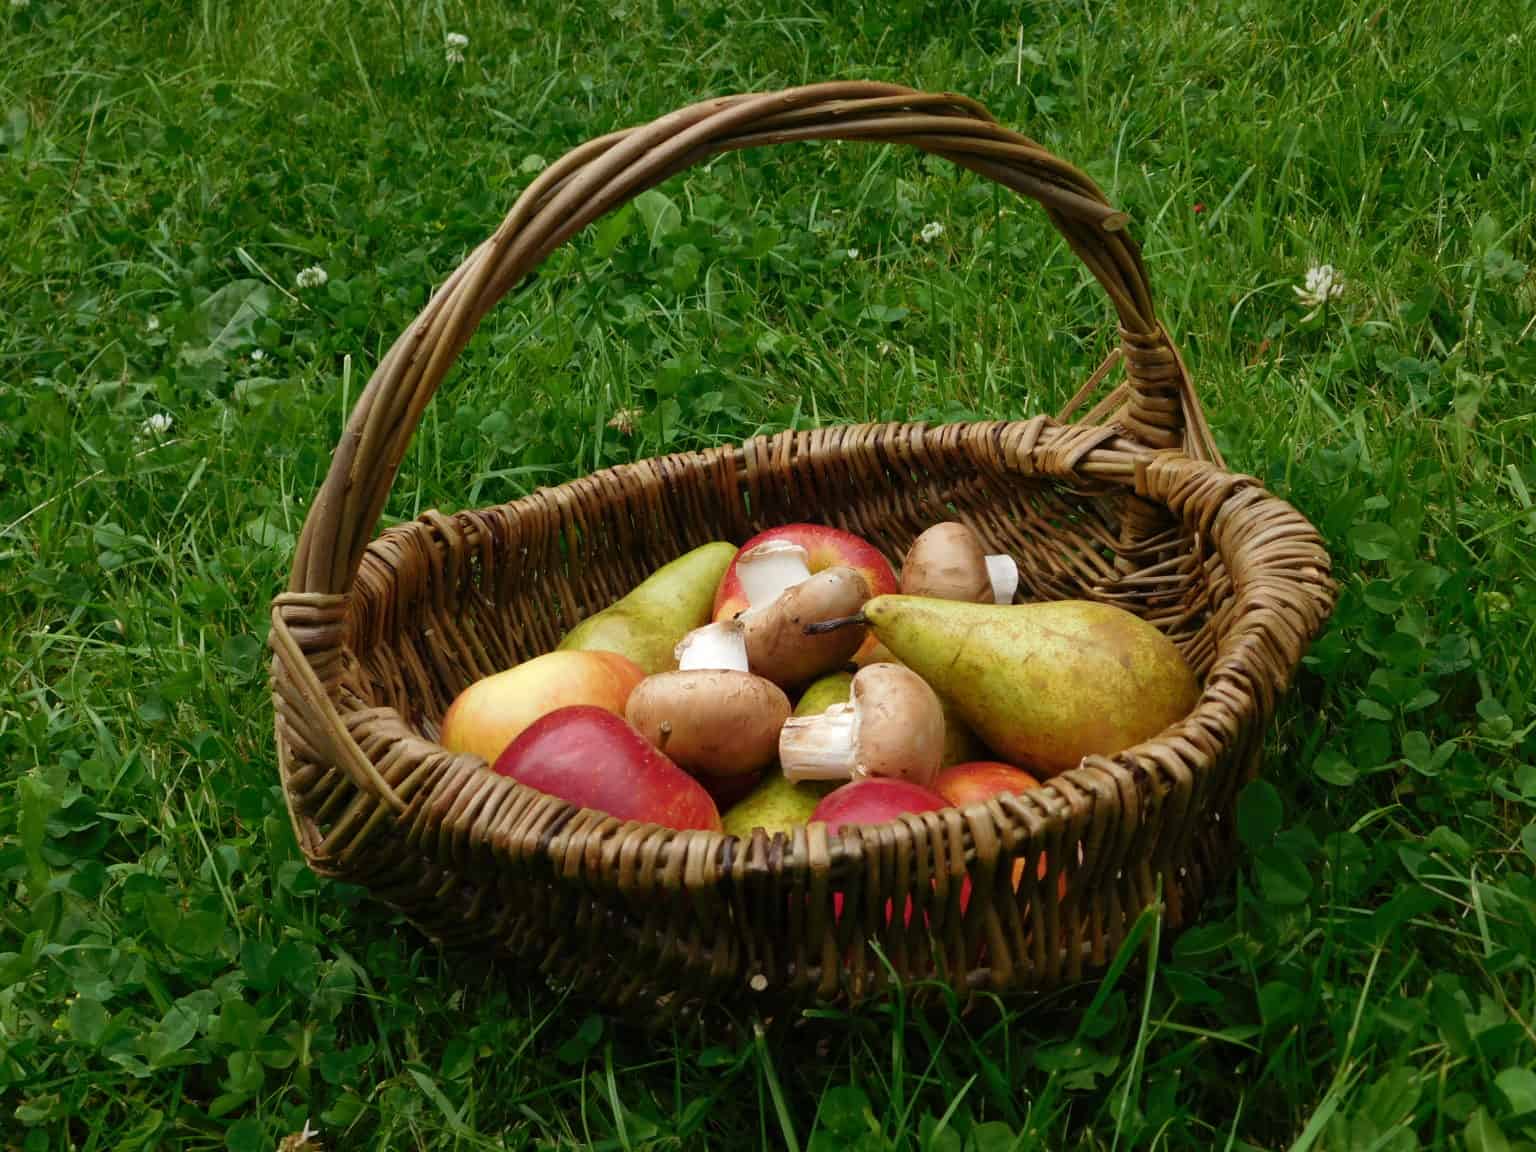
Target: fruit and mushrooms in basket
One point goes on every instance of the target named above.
(798, 679)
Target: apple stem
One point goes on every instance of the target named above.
(1003, 571)
(822, 627)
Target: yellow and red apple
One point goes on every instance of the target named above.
(491, 713)
(979, 781)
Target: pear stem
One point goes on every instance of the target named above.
(821, 627)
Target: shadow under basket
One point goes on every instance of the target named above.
(1130, 505)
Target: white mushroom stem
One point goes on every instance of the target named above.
(1003, 571)
(721, 646)
(770, 570)
(820, 747)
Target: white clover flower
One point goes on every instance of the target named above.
(152, 324)
(931, 232)
(257, 356)
(1322, 285)
(312, 277)
(853, 253)
(453, 47)
(1513, 39)
(157, 425)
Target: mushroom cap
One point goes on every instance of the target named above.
(900, 729)
(711, 722)
(947, 562)
(777, 646)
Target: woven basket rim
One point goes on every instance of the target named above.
(1123, 462)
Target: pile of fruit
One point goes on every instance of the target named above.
(796, 679)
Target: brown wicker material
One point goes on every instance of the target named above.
(372, 640)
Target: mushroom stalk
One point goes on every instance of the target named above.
(819, 747)
(715, 646)
(770, 570)
(779, 648)
(892, 725)
(1003, 572)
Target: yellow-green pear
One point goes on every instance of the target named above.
(775, 805)
(647, 624)
(1043, 684)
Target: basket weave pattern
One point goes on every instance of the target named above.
(1131, 506)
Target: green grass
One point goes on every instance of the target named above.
(171, 975)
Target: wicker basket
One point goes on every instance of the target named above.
(1130, 505)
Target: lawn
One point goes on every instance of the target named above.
(171, 387)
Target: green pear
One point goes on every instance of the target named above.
(1043, 684)
(775, 805)
(822, 694)
(647, 623)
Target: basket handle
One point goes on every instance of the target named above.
(1159, 406)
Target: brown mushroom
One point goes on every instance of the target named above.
(947, 562)
(892, 725)
(711, 721)
(777, 644)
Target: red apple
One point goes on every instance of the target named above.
(978, 781)
(590, 757)
(874, 800)
(491, 713)
(825, 548)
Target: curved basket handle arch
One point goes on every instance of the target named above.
(1159, 409)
